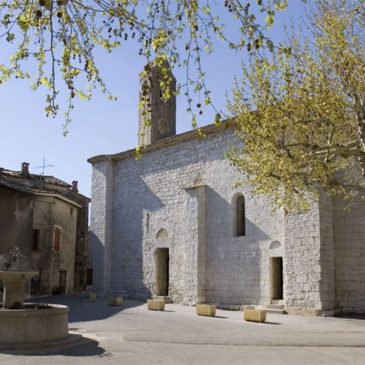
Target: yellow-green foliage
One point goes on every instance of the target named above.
(300, 111)
(59, 38)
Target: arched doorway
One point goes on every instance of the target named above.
(162, 271)
(276, 278)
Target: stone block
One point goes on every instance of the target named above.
(254, 315)
(92, 297)
(156, 304)
(115, 300)
(205, 310)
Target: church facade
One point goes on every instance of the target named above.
(173, 224)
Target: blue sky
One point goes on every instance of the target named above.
(101, 126)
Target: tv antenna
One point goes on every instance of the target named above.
(44, 166)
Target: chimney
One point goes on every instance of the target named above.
(25, 169)
(74, 186)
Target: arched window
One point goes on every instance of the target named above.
(240, 216)
(145, 89)
(162, 234)
(145, 98)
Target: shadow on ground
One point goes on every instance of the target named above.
(75, 346)
(352, 316)
(88, 348)
(82, 310)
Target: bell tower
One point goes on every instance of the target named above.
(157, 117)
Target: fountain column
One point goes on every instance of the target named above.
(14, 287)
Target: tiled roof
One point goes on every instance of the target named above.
(47, 179)
(39, 184)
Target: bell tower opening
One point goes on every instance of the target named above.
(157, 116)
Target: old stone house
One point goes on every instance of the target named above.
(48, 219)
(173, 224)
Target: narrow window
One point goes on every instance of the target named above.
(147, 221)
(35, 242)
(57, 239)
(240, 216)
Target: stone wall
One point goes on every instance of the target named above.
(327, 256)
(180, 196)
(349, 240)
(16, 215)
(302, 262)
(195, 245)
(66, 219)
(50, 212)
(155, 193)
(42, 258)
(82, 248)
(101, 223)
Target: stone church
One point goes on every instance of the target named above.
(172, 224)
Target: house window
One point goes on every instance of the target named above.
(240, 216)
(35, 242)
(57, 239)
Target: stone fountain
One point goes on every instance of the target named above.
(26, 323)
(15, 272)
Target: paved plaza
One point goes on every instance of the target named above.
(131, 334)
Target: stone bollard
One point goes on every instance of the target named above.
(115, 300)
(254, 315)
(92, 297)
(207, 310)
(156, 304)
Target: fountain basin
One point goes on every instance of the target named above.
(33, 323)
